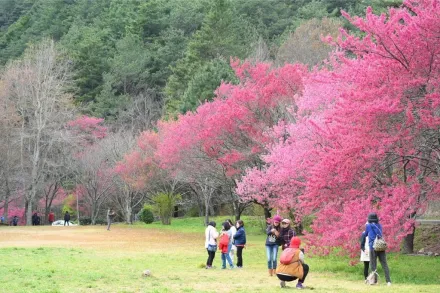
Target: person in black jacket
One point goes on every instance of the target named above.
(34, 219)
(66, 218)
(240, 242)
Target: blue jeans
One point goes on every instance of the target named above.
(226, 256)
(272, 252)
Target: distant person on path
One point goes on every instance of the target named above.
(2, 219)
(110, 215)
(292, 265)
(240, 242)
(211, 236)
(66, 218)
(273, 240)
(51, 218)
(225, 245)
(374, 229)
(365, 252)
(15, 221)
(233, 230)
(287, 233)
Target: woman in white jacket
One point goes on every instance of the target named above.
(365, 253)
(211, 236)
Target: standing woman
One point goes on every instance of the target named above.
(374, 229)
(233, 247)
(272, 241)
(365, 252)
(240, 242)
(287, 233)
(211, 235)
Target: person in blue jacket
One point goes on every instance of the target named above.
(240, 242)
(373, 229)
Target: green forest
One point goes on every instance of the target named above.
(136, 61)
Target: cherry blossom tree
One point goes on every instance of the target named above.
(229, 134)
(366, 136)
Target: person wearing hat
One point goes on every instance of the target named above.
(272, 241)
(292, 265)
(287, 233)
(373, 230)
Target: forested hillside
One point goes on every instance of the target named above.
(321, 110)
(136, 60)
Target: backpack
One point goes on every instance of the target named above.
(287, 256)
(224, 240)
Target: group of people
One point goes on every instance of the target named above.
(373, 230)
(291, 266)
(232, 239)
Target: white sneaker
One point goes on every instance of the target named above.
(389, 284)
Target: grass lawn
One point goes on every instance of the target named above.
(91, 259)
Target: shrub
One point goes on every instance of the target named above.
(164, 205)
(146, 215)
(85, 221)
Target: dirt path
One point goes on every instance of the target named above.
(119, 238)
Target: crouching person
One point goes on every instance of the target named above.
(292, 265)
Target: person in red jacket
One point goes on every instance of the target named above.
(51, 218)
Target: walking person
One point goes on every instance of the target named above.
(273, 240)
(110, 215)
(287, 233)
(240, 242)
(292, 265)
(211, 236)
(66, 218)
(373, 230)
(233, 249)
(365, 252)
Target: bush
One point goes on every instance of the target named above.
(88, 221)
(85, 221)
(146, 215)
(164, 205)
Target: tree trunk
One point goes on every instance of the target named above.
(28, 212)
(408, 242)
(128, 217)
(237, 213)
(206, 213)
(6, 205)
(267, 212)
(94, 214)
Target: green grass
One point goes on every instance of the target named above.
(95, 260)
(253, 225)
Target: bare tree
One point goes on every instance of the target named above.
(36, 86)
(94, 178)
(305, 44)
(9, 156)
(124, 197)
